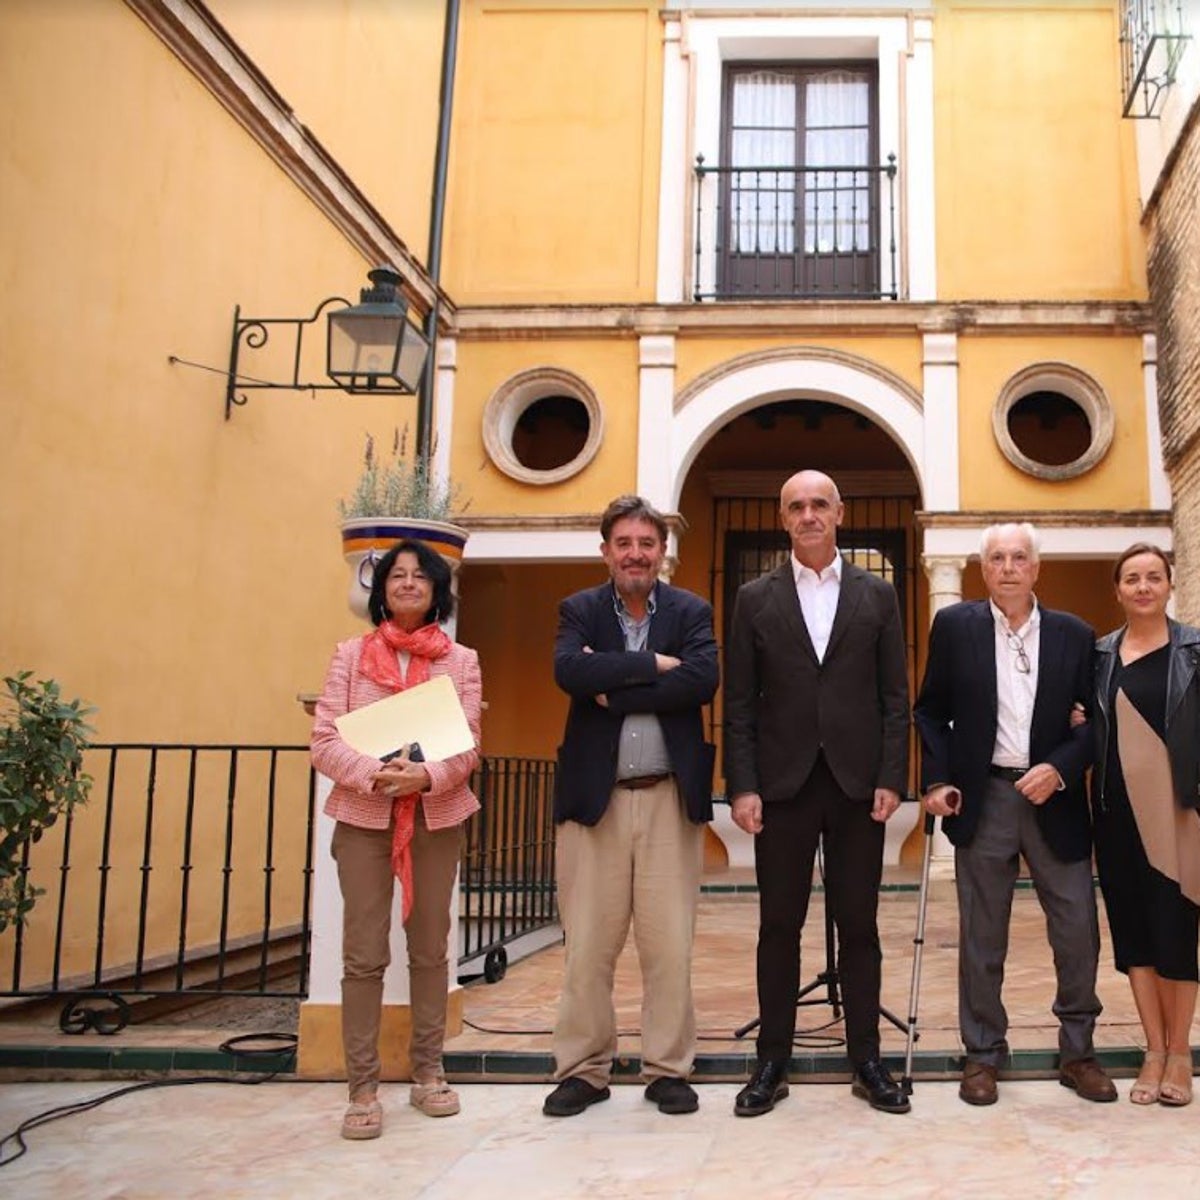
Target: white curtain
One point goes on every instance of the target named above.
(837, 134)
(763, 134)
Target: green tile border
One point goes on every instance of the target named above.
(139, 1059)
(480, 1066)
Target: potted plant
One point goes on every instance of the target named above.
(396, 497)
(42, 740)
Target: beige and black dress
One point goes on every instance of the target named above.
(1147, 844)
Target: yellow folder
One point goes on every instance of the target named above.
(429, 714)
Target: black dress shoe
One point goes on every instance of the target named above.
(874, 1085)
(673, 1095)
(572, 1096)
(766, 1088)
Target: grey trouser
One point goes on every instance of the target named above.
(986, 872)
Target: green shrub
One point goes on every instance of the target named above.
(42, 740)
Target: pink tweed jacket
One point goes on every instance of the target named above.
(449, 800)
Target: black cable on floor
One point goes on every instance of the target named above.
(240, 1045)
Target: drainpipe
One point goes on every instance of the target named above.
(437, 213)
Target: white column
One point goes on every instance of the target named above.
(945, 588)
(940, 385)
(673, 169)
(917, 167)
(945, 581)
(656, 394)
(445, 373)
(1160, 487)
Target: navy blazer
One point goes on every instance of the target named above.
(682, 626)
(956, 716)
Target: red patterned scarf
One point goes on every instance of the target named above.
(380, 664)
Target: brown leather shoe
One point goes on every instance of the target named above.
(978, 1084)
(1086, 1078)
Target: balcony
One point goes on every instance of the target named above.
(1152, 41)
(803, 233)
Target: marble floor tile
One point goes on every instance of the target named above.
(281, 1140)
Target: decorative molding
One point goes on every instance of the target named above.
(798, 354)
(202, 44)
(797, 317)
(505, 406)
(1069, 518)
(540, 523)
(1076, 385)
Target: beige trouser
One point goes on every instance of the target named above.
(365, 873)
(641, 861)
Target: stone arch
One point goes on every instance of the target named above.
(811, 372)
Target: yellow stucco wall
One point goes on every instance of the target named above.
(608, 365)
(554, 163)
(1036, 172)
(988, 480)
(365, 78)
(509, 614)
(181, 571)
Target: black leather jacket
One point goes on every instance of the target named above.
(1183, 710)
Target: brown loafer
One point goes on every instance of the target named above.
(1086, 1078)
(978, 1084)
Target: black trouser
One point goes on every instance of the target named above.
(783, 855)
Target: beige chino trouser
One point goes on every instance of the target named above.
(364, 863)
(641, 862)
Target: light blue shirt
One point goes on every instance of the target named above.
(642, 749)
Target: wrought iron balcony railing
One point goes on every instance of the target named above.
(1153, 38)
(189, 871)
(812, 233)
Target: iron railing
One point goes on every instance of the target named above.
(1152, 40)
(765, 232)
(190, 871)
(506, 887)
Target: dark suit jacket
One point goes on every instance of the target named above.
(782, 706)
(956, 716)
(587, 759)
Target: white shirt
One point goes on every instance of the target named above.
(818, 594)
(1015, 690)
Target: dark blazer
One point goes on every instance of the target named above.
(587, 759)
(956, 717)
(782, 706)
(1183, 710)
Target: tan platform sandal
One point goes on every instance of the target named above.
(362, 1121)
(437, 1099)
(1148, 1085)
(1176, 1091)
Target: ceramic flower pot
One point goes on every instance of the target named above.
(365, 540)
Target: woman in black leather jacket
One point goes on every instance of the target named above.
(1146, 809)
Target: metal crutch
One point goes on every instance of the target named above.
(906, 1081)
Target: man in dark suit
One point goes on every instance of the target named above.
(816, 748)
(1003, 768)
(633, 794)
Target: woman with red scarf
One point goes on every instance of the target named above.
(396, 819)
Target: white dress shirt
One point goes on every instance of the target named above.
(818, 593)
(1015, 689)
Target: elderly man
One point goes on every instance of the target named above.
(634, 790)
(1004, 768)
(816, 748)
